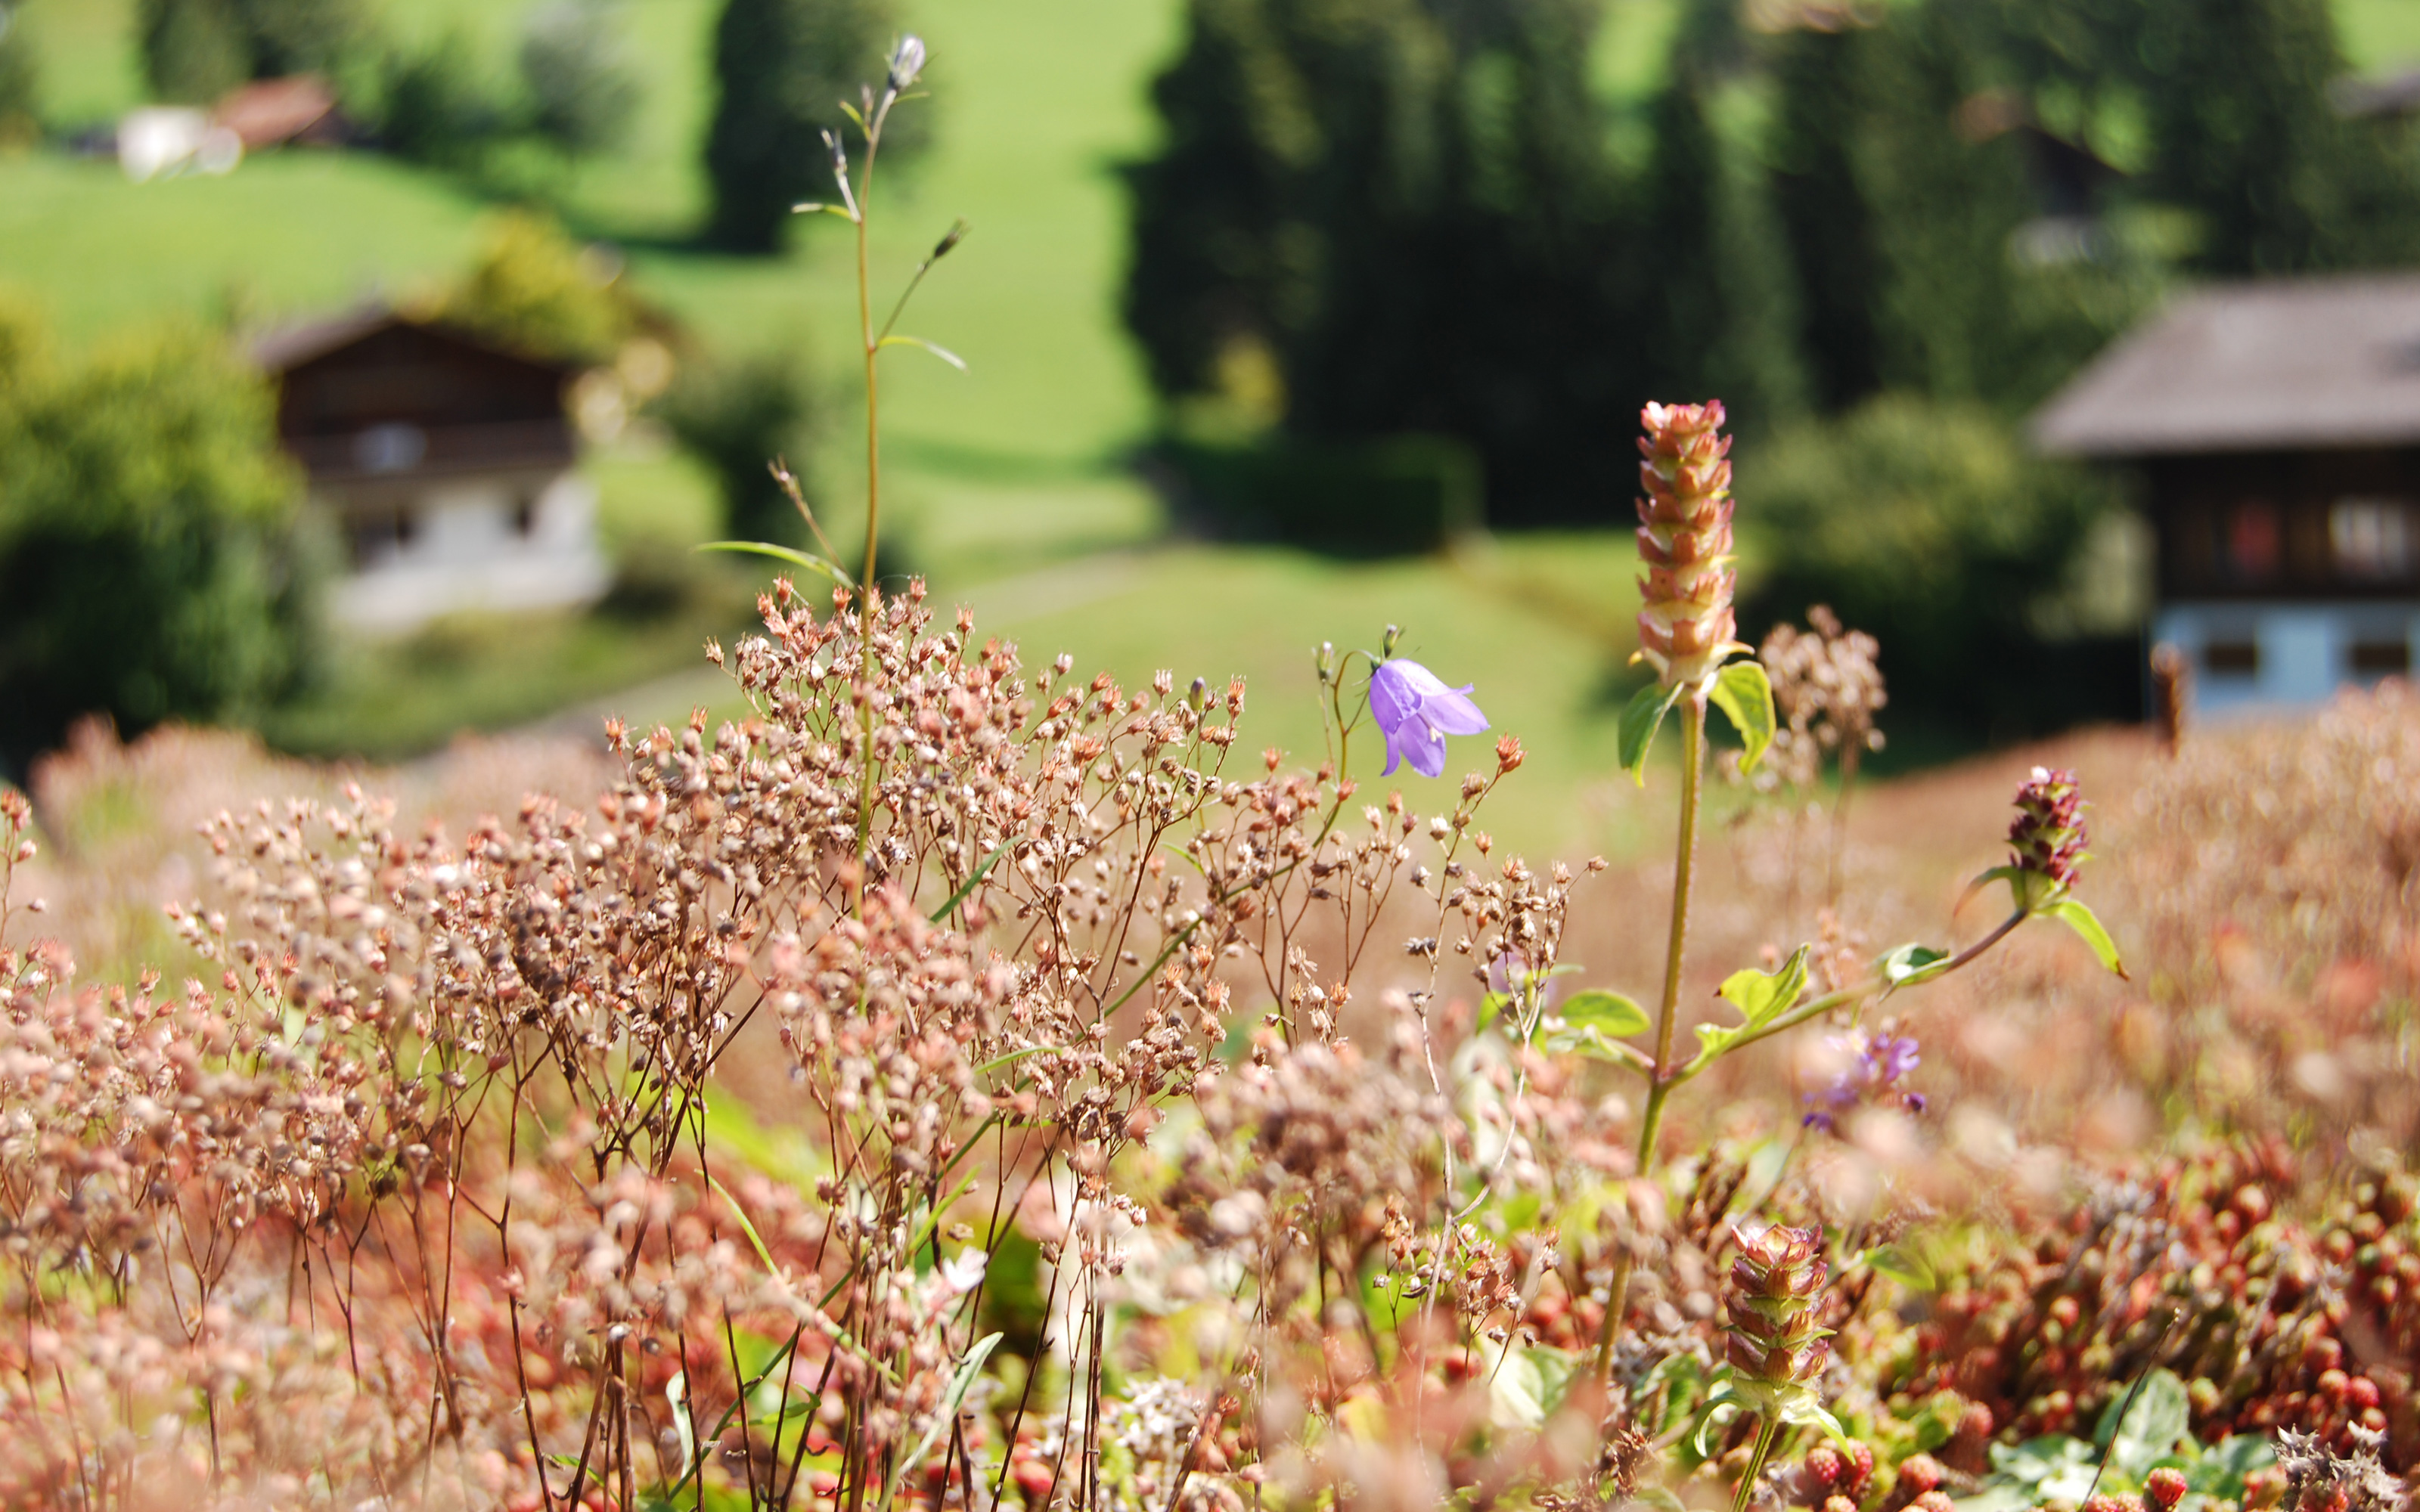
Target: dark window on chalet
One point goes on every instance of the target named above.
(2370, 540)
(2380, 658)
(2231, 658)
(377, 533)
(2254, 545)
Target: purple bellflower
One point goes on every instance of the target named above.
(1416, 711)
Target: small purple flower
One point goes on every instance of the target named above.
(1878, 1063)
(1416, 711)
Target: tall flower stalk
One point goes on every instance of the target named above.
(871, 114)
(1686, 632)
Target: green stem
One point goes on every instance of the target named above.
(866, 577)
(1765, 1437)
(1693, 743)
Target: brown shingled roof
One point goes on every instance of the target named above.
(2299, 364)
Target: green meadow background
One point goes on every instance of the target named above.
(1009, 484)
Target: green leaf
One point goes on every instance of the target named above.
(1661, 1498)
(975, 881)
(1911, 963)
(1610, 1015)
(2160, 1414)
(749, 1228)
(1640, 720)
(1745, 695)
(1492, 1007)
(1809, 1413)
(942, 352)
(1593, 1023)
(1530, 1385)
(947, 1413)
(2086, 923)
(1765, 995)
(2052, 1468)
(1904, 1266)
(2218, 1472)
(780, 553)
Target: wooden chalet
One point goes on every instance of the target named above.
(448, 462)
(2276, 428)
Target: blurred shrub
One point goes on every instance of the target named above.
(153, 564)
(583, 96)
(436, 105)
(536, 290)
(1404, 494)
(735, 417)
(1928, 525)
(20, 81)
(195, 50)
(783, 67)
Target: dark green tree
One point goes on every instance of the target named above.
(584, 98)
(152, 564)
(20, 81)
(1822, 96)
(1720, 305)
(194, 50)
(783, 67)
(438, 107)
(736, 418)
(1409, 205)
(2244, 135)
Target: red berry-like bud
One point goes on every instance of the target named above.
(2361, 1391)
(1919, 1473)
(1824, 1467)
(1935, 1502)
(1839, 1504)
(2065, 1312)
(1861, 1468)
(1976, 1421)
(2165, 1488)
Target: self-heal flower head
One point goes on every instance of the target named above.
(1416, 711)
(2047, 837)
(1687, 628)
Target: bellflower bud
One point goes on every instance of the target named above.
(906, 62)
(1686, 628)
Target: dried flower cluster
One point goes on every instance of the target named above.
(963, 1085)
(1827, 688)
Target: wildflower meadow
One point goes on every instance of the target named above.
(964, 1081)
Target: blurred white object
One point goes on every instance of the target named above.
(167, 140)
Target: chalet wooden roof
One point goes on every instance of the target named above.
(2299, 364)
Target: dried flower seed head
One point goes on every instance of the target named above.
(1687, 626)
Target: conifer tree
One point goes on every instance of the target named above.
(1821, 98)
(2244, 136)
(1720, 305)
(783, 67)
(1406, 203)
